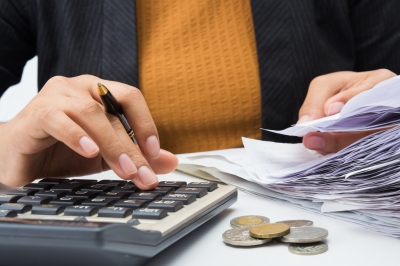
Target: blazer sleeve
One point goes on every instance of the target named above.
(376, 30)
(17, 42)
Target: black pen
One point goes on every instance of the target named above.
(113, 107)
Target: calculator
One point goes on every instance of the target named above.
(102, 222)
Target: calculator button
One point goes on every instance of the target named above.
(51, 193)
(210, 186)
(185, 198)
(129, 188)
(80, 210)
(198, 192)
(72, 185)
(18, 207)
(83, 194)
(8, 213)
(114, 195)
(163, 190)
(112, 183)
(174, 184)
(132, 203)
(99, 202)
(34, 200)
(47, 209)
(168, 205)
(115, 212)
(38, 186)
(149, 213)
(97, 188)
(66, 201)
(146, 196)
(52, 181)
(9, 198)
(22, 192)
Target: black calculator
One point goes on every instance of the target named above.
(106, 222)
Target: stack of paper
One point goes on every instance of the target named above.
(360, 184)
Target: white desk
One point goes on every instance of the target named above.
(348, 243)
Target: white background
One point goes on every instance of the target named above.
(16, 97)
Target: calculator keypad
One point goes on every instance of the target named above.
(107, 198)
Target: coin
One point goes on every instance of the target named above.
(248, 221)
(269, 230)
(308, 248)
(241, 237)
(297, 223)
(305, 234)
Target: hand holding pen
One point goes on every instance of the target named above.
(65, 132)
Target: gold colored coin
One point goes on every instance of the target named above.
(249, 220)
(269, 230)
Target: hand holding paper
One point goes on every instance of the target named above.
(371, 109)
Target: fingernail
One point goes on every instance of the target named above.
(153, 147)
(126, 164)
(146, 176)
(303, 119)
(315, 143)
(335, 108)
(88, 145)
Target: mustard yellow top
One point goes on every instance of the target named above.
(198, 72)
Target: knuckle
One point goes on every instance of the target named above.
(46, 114)
(71, 130)
(131, 94)
(87, 108)
(57, 81)
(114, 144)
(385, 72)
(317, 81)
(88, 78)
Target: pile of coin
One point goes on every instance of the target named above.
(254, 230)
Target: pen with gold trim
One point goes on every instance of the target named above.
(113, 107)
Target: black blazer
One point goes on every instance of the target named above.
(297, 40)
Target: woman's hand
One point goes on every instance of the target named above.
(326, 96)
(64, 132)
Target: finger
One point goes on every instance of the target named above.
(165, 163)
(364, 81)
(51, 121)
(137, 114)
(89, 115)
(145, 178)
(319, 91)
(325, 143)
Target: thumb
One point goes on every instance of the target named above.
(320, 90)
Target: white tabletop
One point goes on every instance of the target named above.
(348, 243)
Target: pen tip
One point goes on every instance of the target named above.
(102, 89)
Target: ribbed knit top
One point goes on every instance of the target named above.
(198, 72)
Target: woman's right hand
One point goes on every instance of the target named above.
(64, 132)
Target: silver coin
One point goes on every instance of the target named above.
(248, 221)
(241, 237)
(297, 223)
(308, 248)
(305, 234)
